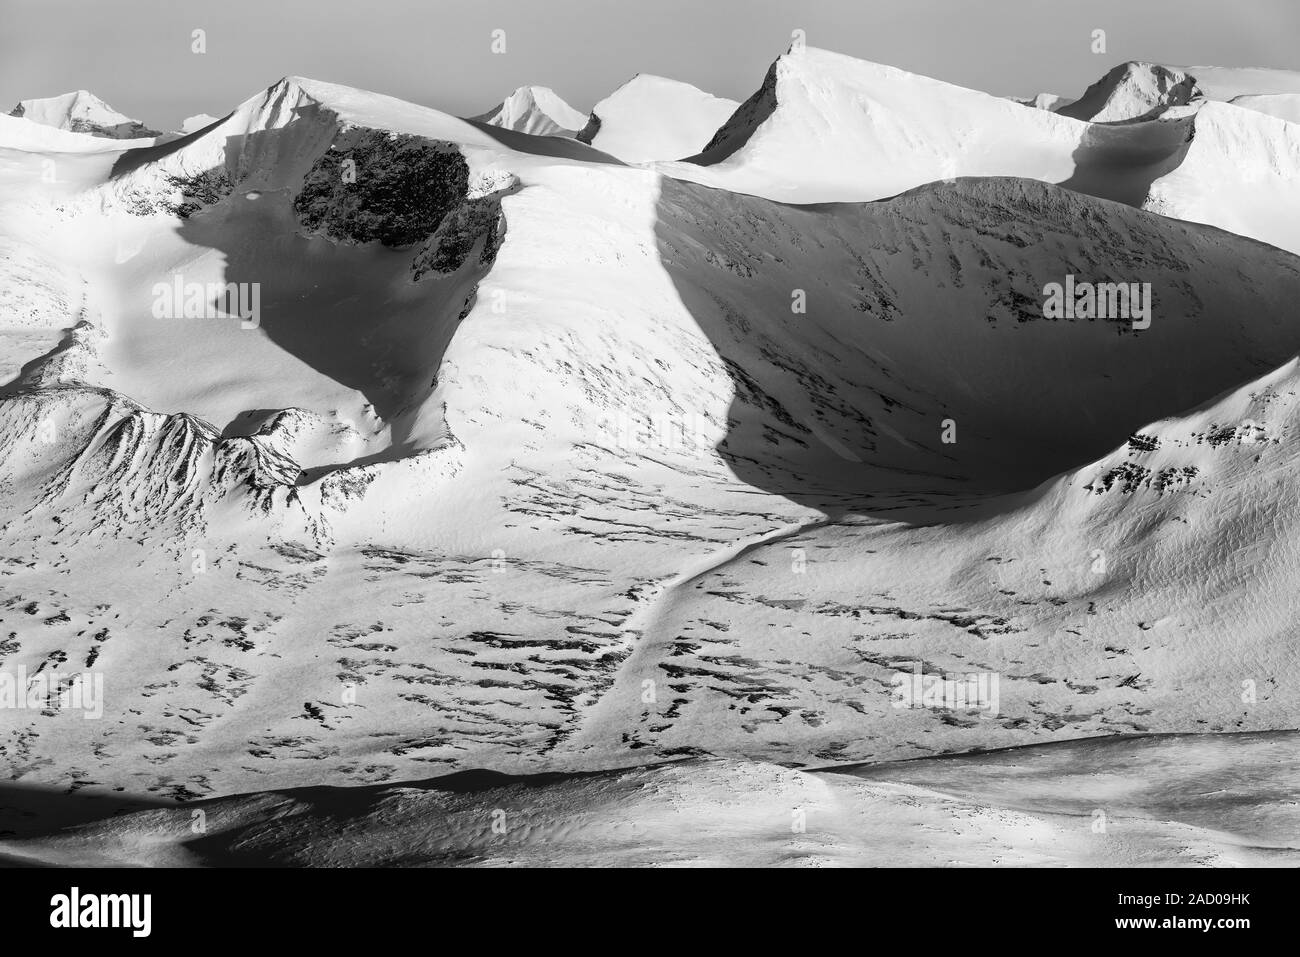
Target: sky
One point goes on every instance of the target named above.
(138, 54)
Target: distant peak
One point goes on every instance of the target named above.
(81, 111)
(535, 109)
(1134, 90)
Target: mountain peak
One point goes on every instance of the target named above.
(651, 117)
(81, 112)
(535, 109)
(1134, 90)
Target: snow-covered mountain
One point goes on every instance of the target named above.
(354, 443)
(538, 110)
(1134, 91)
(1139, 90)
(1043, 101)
(652, 118)
(827, 128)
(824, 127)
(82, 112)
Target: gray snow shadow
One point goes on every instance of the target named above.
(1239, 790)
(1243, 783)
(1120, 162)
(135, 158)
(557, 147)
(257, 829)
(28, 810)
(247, 423)
(352, 312)
(928, 307)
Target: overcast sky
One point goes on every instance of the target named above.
(136, 54)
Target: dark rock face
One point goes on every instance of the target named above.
(374, 185)
(736, 132)
(121, 131)
(588, 132)
(449, 248)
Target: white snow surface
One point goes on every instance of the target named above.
(1284, 106)
(538, 110)
(1240, 172)
(1134, 91)
(192, 124)
(824, 127)
(652, 118)
(1228, 83)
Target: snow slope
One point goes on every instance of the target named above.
(192, 124)
(1241, 172)
(652, 118)
(538, 110)
(1228, 83)
(82, 112)
(1284, 106)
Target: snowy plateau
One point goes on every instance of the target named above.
(688, 481)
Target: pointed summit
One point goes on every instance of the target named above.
(535, 109)
(825, 127)
(82, 112)
(1134, 91)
